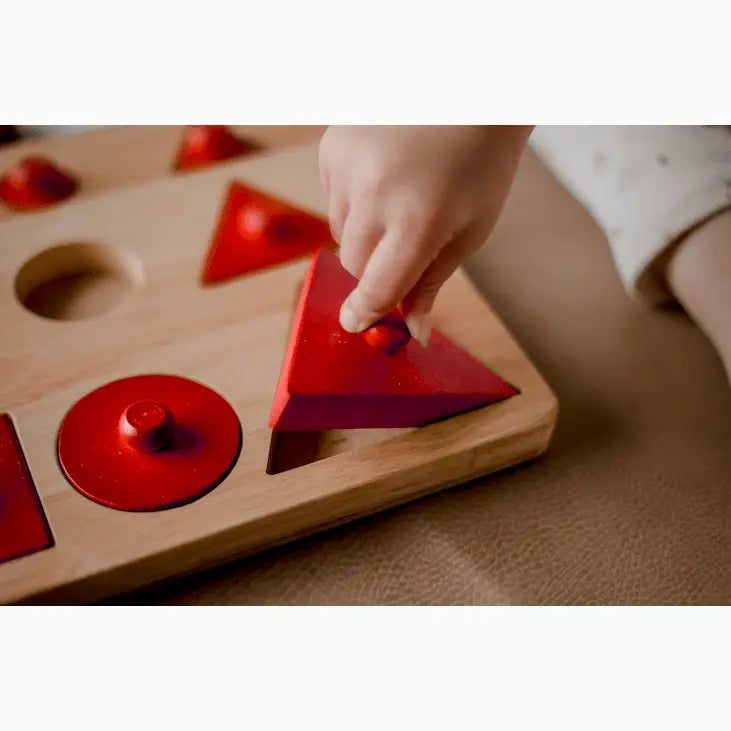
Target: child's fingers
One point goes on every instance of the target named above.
(337, 214)
(392, 270)
(418, 303)
(360, 237)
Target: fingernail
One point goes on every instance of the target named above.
(419, 325)
(349, 321)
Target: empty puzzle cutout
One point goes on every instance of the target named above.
(256, 231)
(204, 145)
(332, 379)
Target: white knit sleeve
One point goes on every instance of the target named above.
(644, 186)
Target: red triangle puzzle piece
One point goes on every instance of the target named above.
(204, 145)
(332, 379)
(256, 231)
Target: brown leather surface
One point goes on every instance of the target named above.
(632, 503)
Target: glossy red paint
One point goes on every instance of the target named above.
(332, 379)
(204, 145)
(149, 442)
(256, 231)
(33, 183)
(148, 425)
(23, 526)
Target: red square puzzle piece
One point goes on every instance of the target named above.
(23, 526)
(332, 379)
(256, 231)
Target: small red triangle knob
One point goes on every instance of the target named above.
(35, 182)
(389, 334)
(148, 426)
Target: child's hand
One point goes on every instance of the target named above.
(407, 205)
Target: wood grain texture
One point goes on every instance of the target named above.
(232, 338)
(108, 158)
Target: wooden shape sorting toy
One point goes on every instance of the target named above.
(23, 526)
(35, 183)
(256, 231)
(203, 145)
(108, 158)
(332, 379)
(230, 339)
(149, 442)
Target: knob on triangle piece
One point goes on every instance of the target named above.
(256, 231)
(332, 379)
(204, 145)
(34, 183)
(149, 442)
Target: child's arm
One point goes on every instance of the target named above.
(646, 187)
(408, 204)
(662, 196)
(699, 275)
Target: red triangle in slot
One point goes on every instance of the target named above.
(256, 231)
(332, 379)
(204, 145)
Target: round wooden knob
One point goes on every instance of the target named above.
(388, 335)
(148, 426)
(257, 224)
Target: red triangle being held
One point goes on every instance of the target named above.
(204, 145)
(256, 231)
(332, 379)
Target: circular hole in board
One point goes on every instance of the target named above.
(76, 281)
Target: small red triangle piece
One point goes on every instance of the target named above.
(332, 379)
(204, 145)
(34, 182)
(256, 231)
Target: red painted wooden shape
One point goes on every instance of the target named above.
(389, 334)
(256, 231)
(332, 379)
(34, 182)
(149, 442)
(23, 526)
(204, 145)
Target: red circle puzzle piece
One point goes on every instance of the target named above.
(149, 442)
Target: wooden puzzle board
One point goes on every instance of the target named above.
(232, 338)
(111, 157)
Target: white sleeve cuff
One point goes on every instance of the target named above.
(644, 186)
